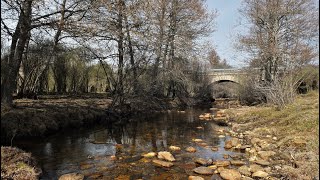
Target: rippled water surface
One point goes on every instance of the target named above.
(91, 150)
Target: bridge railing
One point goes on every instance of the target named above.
(225, 71)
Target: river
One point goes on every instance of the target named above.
(108, 151)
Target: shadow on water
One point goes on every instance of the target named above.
(110, 150)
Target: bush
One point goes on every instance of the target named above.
(249, 94)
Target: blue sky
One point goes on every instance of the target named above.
(226, 30)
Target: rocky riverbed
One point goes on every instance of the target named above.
(255, 158)
(236, 143)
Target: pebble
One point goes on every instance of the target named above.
(277, 167)
(215, 149)
(275, 138)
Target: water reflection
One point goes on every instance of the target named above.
(69, 150)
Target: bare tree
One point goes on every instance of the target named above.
(30, 15)
(18, 42)
(282, 33)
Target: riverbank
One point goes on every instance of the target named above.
(35, 118)
(286, 140)
(17, 164)
(50, 113)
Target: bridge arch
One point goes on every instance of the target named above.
(225, 78)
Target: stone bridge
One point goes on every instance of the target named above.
(231, 75)
(223, 75)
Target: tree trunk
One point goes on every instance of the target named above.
(18, 43)
(173, 24)
(60, 77)
(120, 87)
(131, 53)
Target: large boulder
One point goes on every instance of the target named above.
(166, 156)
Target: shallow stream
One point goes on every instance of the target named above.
(114, 150)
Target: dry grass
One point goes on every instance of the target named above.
(297, 121)
(17, 164)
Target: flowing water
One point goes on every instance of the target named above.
(114, 150)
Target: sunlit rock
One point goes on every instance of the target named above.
(95, 176)
(266, 154)
(174, 148)
(260, 174)
(203, 170)
(226, 156)
(123, 177)
(162, 163)
(221, 163)
(244, 170)
(72, 176)
(202, 161)
(197, 140)
(230, 174)
(262, 162)
(113, 157)
(191, 149)
(215, 149)
(233, 142)
(195, 178)
(213, 167)
(237, 163)
(149, 155)
(254, 168)
(166, 155)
